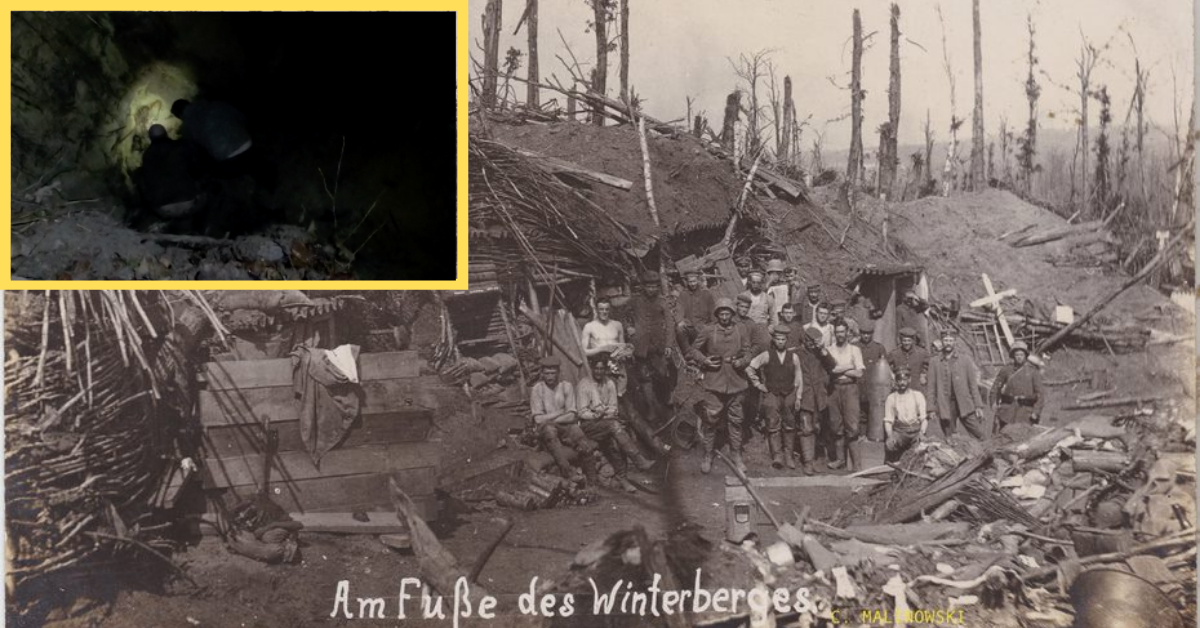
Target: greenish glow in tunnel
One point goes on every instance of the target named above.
(148, 102)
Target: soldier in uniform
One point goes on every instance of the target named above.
(911, 357)
(954, 389)
(1017, 392)
(816, 364)
(693, 307)
(722, 350)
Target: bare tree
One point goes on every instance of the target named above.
(1089, 57)
(1103, 187)
(750, 69)
(817, 164)
(1004, 147)
(855, 159)
(625, 52)
(491, 50)
(978, 181)
(1137, 105)
(1028, 140)
(889, 152)
(950, 172)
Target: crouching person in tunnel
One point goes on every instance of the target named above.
(221, 130)
(168, 181)
(552, 405)
(599, 415)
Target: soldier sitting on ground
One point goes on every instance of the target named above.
(553, 409)
(904, 417)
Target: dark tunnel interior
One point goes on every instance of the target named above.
(361, 104)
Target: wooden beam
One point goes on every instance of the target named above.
(554, 165)
(242, 374)
(345, 523)
(298, 465)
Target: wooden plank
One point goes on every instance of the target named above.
(265, 373)
(405, 426)
(553, 165)
(249, 406)
(839, 481)
(345, 523)
(347, 493)
(298, 465)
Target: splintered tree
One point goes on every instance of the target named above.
(855, 159)
(491, 50)
(601, 14)
(1137, 106)
(950, 172)
(889, 155)
(1102, 185)
(927, 183)
(625, 52)
(1027, 143)
(978, 182)
(789, 123)
(733, 104)
(530, 20)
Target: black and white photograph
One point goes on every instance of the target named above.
(780, 314)
(234, 146)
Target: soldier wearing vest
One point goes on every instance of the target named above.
(777, 374)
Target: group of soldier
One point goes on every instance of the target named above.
(809, 374)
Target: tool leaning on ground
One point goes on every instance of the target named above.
(818, 554)
(262, 529)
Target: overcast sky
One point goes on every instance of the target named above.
(680, 48)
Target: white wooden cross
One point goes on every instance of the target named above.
(992, 300)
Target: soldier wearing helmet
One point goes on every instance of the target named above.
(1017, 392)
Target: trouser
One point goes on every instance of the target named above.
(652, 380)
(1009, 413)
(806, 425)
(611, 432)
(903, 437)
(844, 411)
(972, 422)
(722, 412)
(778, 412)
(561, 439)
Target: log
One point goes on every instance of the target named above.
(939, 491)
(1123, 401)
(1088, 460)
(646, 171)
(1036, 446)
(554, 165)
(437, 566)
(345, 523)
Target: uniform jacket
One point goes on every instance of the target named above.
(953, 385)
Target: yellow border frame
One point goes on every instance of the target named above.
(460, 277)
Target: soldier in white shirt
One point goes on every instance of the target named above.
(904, 417)
(844, 408)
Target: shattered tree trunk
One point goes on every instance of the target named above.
(1029, 147)
(978, 180)
(600, 75)
(785, 138)
(728, 125)
(889, 156)
(854, 163)
(928, 150)
(698, 126)
(491, 50)
(532, 98)
(625, 52)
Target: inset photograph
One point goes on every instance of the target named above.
(233, 146)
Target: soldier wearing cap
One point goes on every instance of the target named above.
(844, 408)
(760, 299)
(599, 414)
(759, 337)
(1017, 392)
(778, 289)
(552, 406)
(954, 389)
(816, 363)
(651, 327)
(693, 307)
(910, 312)
(911, 357)
(876, 382)
(837, 314)
(777, 374)
(904, 417)
(722, 351)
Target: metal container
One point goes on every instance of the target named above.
(1109, 598)
(741, 513)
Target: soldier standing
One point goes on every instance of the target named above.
(1017, 392)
